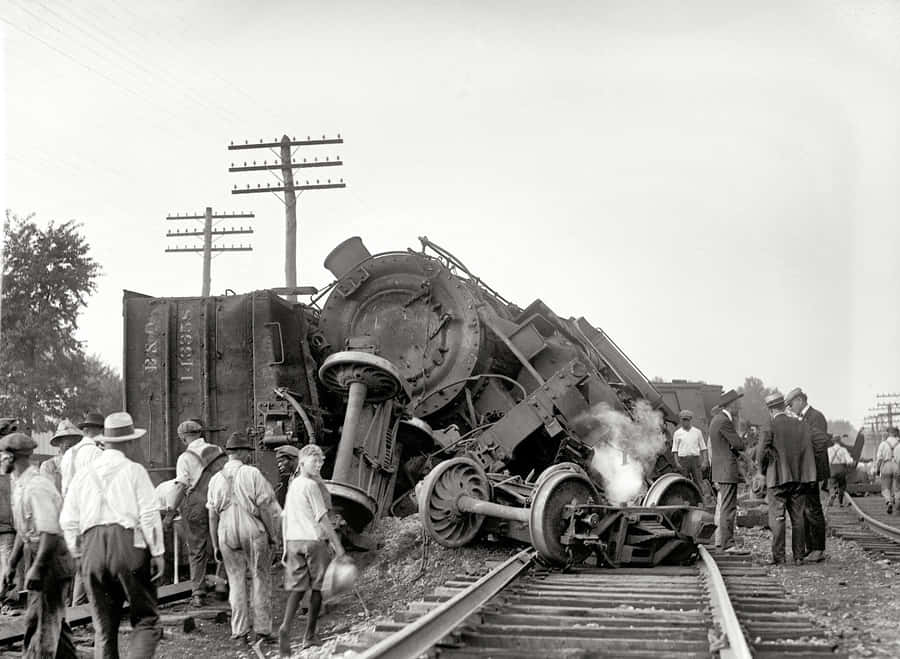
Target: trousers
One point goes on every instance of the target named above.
(790, 499)
(253, 557)
(814, 518)
(114, 570)
(837, 483)
(726, 512)
(692, 465)
(47, 634)
(196, 522)
(890, 481)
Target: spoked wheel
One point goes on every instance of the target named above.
(673, 490)
(548, 521)
(441, 489)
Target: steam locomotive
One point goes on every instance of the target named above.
(428, 389)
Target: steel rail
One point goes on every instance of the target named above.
(424, 633)
(882, 529)
(721, 601)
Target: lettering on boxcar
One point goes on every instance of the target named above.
(185, 346)
(151, 345)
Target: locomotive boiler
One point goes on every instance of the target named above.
(496, 403)
(427, 388)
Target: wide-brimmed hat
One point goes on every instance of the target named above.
(119, 427)
(238, 440)
(792, 394)
(65, 429)
(729, 397)
(685, 414)
(92, 420)
(18, 442)
(774, 400)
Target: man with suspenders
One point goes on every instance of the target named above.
(245, 521)
(196, 465)
(111, 522)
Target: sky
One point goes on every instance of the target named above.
(712, 183)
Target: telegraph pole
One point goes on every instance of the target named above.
(207, 234)
(287, 165)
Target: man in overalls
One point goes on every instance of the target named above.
(245, 520)
(111, 521)
(196, 465)
(36, 507)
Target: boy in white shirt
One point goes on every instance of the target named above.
(305, 528)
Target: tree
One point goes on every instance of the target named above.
(48, 275)
(838, 427)
(753, 404)
(99, 389)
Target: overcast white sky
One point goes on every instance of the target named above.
(713, 183)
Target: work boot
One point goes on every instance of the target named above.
(890, 508)
(815, 556)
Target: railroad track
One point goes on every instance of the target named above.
(866, 522)
(722, 606)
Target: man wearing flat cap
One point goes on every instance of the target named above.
(689, 450)
(195, 467)
(36, 505)
(785, 457)
(111, 521)
(725, 446)
(815, 516)
(245, 522)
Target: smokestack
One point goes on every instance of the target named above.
(346, 256)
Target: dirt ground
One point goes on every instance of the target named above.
(852, 595)
(398, 572)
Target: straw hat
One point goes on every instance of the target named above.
(65, 429)
(119, 427)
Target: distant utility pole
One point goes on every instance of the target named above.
(208, 232)
(888, 402)
(286, 164)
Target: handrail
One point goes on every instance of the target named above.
(882, 529)
(718, 594)
(424, 633)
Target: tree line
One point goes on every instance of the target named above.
(48, 275)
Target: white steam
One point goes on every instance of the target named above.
(625, 449)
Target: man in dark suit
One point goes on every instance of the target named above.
(785, 456)
(724, 450)
(821, 440)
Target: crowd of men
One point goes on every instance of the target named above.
(94, 528)
(796, 458)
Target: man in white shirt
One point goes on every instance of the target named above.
(244, 521)
(841, 463)
(305, 527)
(689, 449)
(65, 437)
(887, 466)
(111, 520)
(84, 452)
(36, 503)
(196, 465)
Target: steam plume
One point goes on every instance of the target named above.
(625, 449)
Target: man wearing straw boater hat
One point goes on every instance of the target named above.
(36, 507)
(65, 437)
(111, 521)
(244, 523)
(725, 446)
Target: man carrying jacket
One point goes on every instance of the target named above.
(785, 457)
(725, 446)
(815, 516)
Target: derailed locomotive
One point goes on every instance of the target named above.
(523, 424)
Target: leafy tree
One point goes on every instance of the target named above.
(839, 427)
(99, 389)
(753, 404)
(48, 275)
